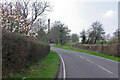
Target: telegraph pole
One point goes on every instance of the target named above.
(49, 30)
(48, 25)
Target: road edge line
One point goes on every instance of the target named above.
(64, 72)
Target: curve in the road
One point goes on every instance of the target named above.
(82, 65)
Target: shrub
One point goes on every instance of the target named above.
(111, 49)
(18, 51)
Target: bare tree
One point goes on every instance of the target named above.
(39, 24)
(116, 36)
(95, 33)
(75, 38)
(41, 34)
(59, 32)
(24, 4)
(38, 9)
(107, 37)
(35, 9)
(117, 32)
(83, 36)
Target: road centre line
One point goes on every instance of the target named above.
(102, 58)
(90, 61)
(98, 65)
(82, 57)
(104, 69)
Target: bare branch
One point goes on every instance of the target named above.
(39, 9)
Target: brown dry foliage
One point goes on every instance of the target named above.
(111, 49)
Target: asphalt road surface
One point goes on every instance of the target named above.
(82, 65)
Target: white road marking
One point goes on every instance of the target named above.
(102, 68)
(102, 58)
(99, 66)
(90, 61)
(64, 74)
(94, 63)
(82, 57)
(105, 69)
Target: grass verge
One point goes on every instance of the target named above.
(88, 52)
(72, 43)
(45, 68)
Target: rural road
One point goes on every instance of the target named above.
(82, 65)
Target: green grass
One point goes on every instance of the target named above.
(45, 68)
(88, 52)
(72, 43)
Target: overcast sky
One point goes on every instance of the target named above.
(79, 14)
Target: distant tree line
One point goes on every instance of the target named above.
(96, 34)
(59, 33)
(75, 37)
(93, 34)
(28, 18)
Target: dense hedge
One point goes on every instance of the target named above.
(18, 52)
(111, 49)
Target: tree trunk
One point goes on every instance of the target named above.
(95, 40)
